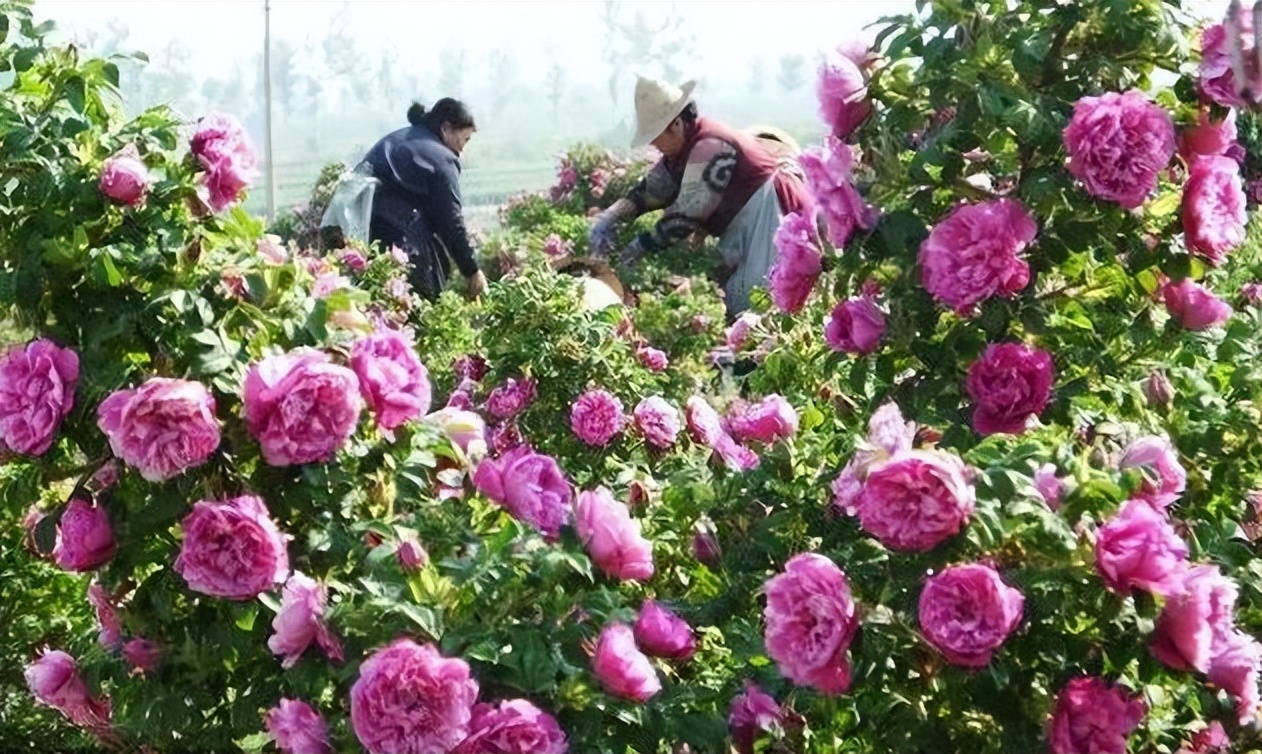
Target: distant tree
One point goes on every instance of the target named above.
(386, 76)
(170, 81)
(637, 45)
(451, 65)
(556, 89)
(792, 73)
(284, 76)
(503, 76)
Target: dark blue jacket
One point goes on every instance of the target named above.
(419, 173)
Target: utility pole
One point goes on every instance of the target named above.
(267, 110)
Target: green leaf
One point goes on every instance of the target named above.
(254, 743)
(245, 616)
(4, 28)
(24, 58)
(75, 93)
(430, 620)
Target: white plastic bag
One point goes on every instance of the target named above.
(351, 206)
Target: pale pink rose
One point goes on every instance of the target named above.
(272, 249)
(1235, 668)
(411, 555)
(110, 633)
(555, 246)
(856, 326)
(706, 428)
(232, 549)
(977, 251)
(1194, 306)
(409, 698)
(530, 486)
(327, 283)
(464, 429)
(752, 711)
(54, 680)
(300, 407)
(37, 387)
(301, 620)
(843, 95)
(1093, 716)
(1164, 476)
(612, 537)
(142, 655)
(297, 728)
(1252, 293)
(85, 540)
(511, 398)
(811, 619)
(1049, 486)
(1217, 79)
(827, 171)
(597, 418)
(598, 179)
(513, 727)
(1189, 622)
(1209, 137)
(916, 500)
(392, 380)
(798, 263)
(1118, 144)
(738, 334)
(162, 428)
(1212, 739)
(1139, 549)
(353, 259)
(223, 151)
(399, 256)
(398, 289)
(1010, 384)
(621, 667)
(652, 359)
(124, 178)
(662, 633)
(657, 421)
(967, 612)
(1214, 215)
(766, 421)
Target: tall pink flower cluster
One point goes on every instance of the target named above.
(300, 407)
(1093, 716)
(1214, 208)
(1010, 384)
(706, 428)
(657, 421)
(232, 549)
(621, 667)
(1217, 79)
(161, 428)
(916, 500)
(1164, 477)
(888, 435)
(297, 728)
(85, 540)
(530, 486)
(612, 537)
(1139, 549)
(798, 265)
(827, 170)
(842, 89)
(54, 680)
(967, 612)
(124, 178)
(977, 251)
(513, 727)
(223, 150)
(766, 421)
(1118, 144)
(392, 380)
(511, 398)
(37, 386)
(1194, 306)
(811, 619)
(856, 326)
(597, 417)
(301, 621)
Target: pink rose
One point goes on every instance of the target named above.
(652, 359)
(392, 380)
(1118, 144)
(967, 611)
(300, 407)
(232, 549)
(843, 95)
(1093, 716)
(530, 486)
(798, 263)
(1214, 215)
(297, 728)
(142, 654)
(598, 179)
(752, 712)
(226, 157)
(399, 290)
(1011, 384)
(1158, 390)
(662, 633)
(111, 633)
(353, 259)
(1049, 486)
(555, 246)
(811, 619)
(705, 545)
(301, 620)
(766, 421)
(513, 727)
(738, 334)
(511, 398)
(55, 682)
(827, 170)
(464, 429)
(1139, 549)
(1194, 306)
(409, 698)
(622, 668)
(706, 429)
(162, 428)
(85, 540)
(327, 283)
(1218, 80)
(411, 555)
(272, 249)
(916, 500)
(1234, 668)
(470, 367)
(1189, 621)
(887, 436)
(977, 251)
(124, 178)
(1209, 740)
(856, 326)
(504, 437)
(657, 421)
(612, 537)
(1164, 477)
(597, 418)
(37, 386)
(1208, 138)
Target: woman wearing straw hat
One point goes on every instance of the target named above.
(711, 178)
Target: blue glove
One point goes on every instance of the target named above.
(601, 238)
(632, 253)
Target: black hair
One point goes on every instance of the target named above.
(447, 110)
(689, 114)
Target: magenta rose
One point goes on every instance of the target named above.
(110, 633)
(916, 500)
(162, 428)
(1049, 486)
(798, 264)
(597, 418)
(652, 359)
(705, 545)
(223, 151)
(124, 178)
(752, 711)
(1139, 549)
(706, 428)
(392, 380)
(1235, 668)
(811, 619)
(1164, 477)
(1011, 384)
(1093, 716)
(856, 326)
(142, 654)
(37, 386)
(657, 421)
(843, 95)
(1194, 306)
(1217, 79)
(300, 407)
(612, 537)
(85, 540)
(530, 486)
(1214, 215)
(409, 698)
(662, 633)
(622, 668)
(1189, 621)
(471, 366)
(301, 621)
(766, 421)
(827, 171)
(54, 680)
(976, 252)
(411, 555)
(1208, 138)
(967, 611)
(297, 728)
(511, 398)
(232, 549)
(353, 259)
(1118, 144)
(888, 435)
(513, 727)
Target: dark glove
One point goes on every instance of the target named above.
(601, 237)
(631, 253)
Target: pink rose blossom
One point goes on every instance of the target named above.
(471, 366)
(513, 727)
(739, 333)
(398, 289)
(661, 633)
(1093, 716)
(811, 619)
(504, 437)
(327, 283)
(37, 387)
(976, 252)
(967, 612)
(888, 435)
(752, 711)
(411, 555)
(409, 698)
(597, 180)
(1208, 138)
(1217, 79)
(706, 429)
(232, 284)
(1049, 486)
(766, 421)
(1235, 668)
(530, 486)
(705, 545)
(272, 249)
(1212, 739)
(843, 95)
(597, 418)
(856, 326)
(223, 151)
(657, 421)
(555, 246)
(916, 500)
(392, 380)
(110, 635)
(511, 398)
(1158, 390)
(798, 263)
(55, 682)
(464, 429)
(1010, 384)
(652, 359)
(622, 668)
(1118, 144)
(827, 170)
(399, 256)
(142, 654)
(300, 407)
(1194, 306)
(1164, 477)
(1189, 621)
(612, 537)
(85, 540)
(124, 178)
(1214, 215)
(297, 728)
(301, 620)
(1252, 292)
(353, 259)
(162, 428)
(1139, 549)
(232, 549)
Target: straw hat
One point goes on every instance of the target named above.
(657, 103)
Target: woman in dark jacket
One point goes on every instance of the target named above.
(417, 207)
